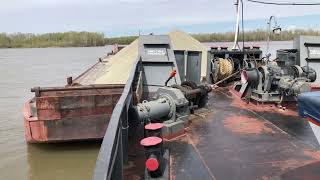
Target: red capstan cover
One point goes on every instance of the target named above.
(153, 126)
(150, 141)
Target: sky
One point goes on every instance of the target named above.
(127, 17)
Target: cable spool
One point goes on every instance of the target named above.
(221, 68)
(226, 68)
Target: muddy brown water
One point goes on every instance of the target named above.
(21, 69)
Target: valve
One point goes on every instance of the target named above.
(172, 75)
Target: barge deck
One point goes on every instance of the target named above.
(237, 142)
(234, 140)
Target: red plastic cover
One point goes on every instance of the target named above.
(150, 141)
(152, 164)
(153, 126)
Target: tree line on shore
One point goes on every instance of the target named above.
(66, 39)
(88, 39)
(256, 35)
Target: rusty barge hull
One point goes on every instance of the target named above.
(69, 113)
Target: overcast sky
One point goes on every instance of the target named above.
(125, 17)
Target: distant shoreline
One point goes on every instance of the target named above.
(94, 39)
(262, 41)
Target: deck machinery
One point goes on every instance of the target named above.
(272, 83)
(283, 79)
(222, 62)
(250, 142)
(162, 95)
(162, 102)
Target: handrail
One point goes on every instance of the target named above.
(68, 88)
(109, 164)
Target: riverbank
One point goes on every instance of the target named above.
(95, 39)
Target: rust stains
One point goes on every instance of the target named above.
(289, 109)
(171, 172)
(312, 157)
(70, 113)
(246, 125)
(288, 164)
(312, 154)
(194, 140)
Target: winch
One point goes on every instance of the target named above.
(172, 105)
(271, 83)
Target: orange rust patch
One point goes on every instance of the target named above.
(194, 139)
(270, 107)
(312, 154)
(289, 164)
(286, 165)
(38, 131)
(295, 163)
(171, 175)
(246, 125)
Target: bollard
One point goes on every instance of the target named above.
(155, 163)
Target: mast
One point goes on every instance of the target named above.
(235, 44)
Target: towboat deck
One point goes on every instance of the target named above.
(242, 141)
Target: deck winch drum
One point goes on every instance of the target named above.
(249, 76)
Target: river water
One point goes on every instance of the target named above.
(21, 69)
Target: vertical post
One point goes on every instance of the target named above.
(200, 67)
(235, 45)
(69, 81)
(269, 33)
(275, 30)
(185, 65)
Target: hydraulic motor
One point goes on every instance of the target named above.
(172, 103)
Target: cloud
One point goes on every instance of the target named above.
(129, 15)
(291, 27)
